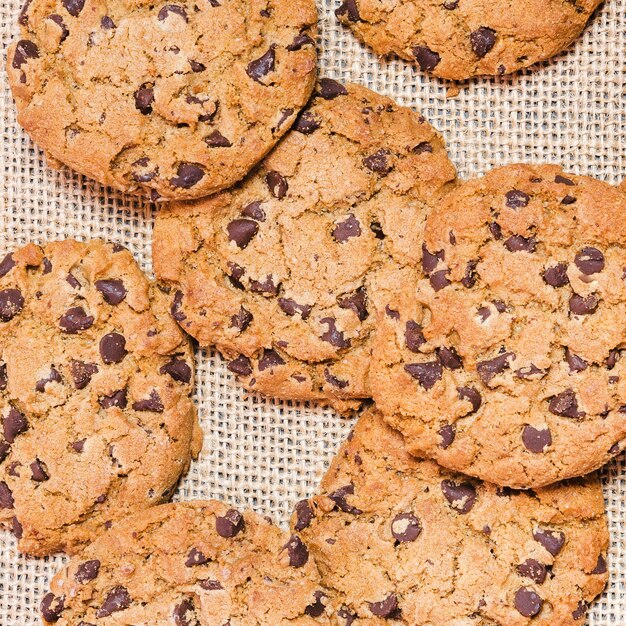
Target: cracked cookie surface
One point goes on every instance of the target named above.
(503, 356)
(95, 379)
(400, 540)
(170, 100)
(275, 271)
(458, 39)
(198, 563)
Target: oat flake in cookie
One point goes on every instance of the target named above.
(169, 100)
(95, 416)
(199, 563)
(457, 39)
(504, 358)
(402, 541)
(275, 272)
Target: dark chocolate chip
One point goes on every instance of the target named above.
(107, 23)
(51, 607)
(277, 184)
(579, 305)
(426, 58)
(350, 227)
(377, 229)
(413, 336)
(196, 557)
(565, 404)
(350, 10)
(589, 261)
(516, 199)
(113, 348)
(240, 366)
(528, 602)
(423, 147)
(531, 371)
(568, 200)
(461, 496)
(87, 571)
(184, 613)
(3, 376)
(14, 424)
(482, 41)
(427, 374)
(447, 434)
(469, 280)
(39, 471)
(5, 448)
(517, 243)
(304, 515)
(405, 527)
(600, 567)
(299, 41)
(6, 497)
(495, 230)
(580, 611)
(536, 439)
(176, 308)
(75, 320)
(254, 211)
(551, 540)
(231, 524)
(297, 551)
(82, 373)
(307, 122)
(178, 369)
(262, 66)
(265, 286)
(533, 569)
(339, 497)
(329, 89)
(24, 50)
(576, 363)
(449, 358)
(116, 600)
(152, 403)
(6, 265)
(431, 260)
(561, 180)
(489, 369)
(241, 231)
(556, 276)
(291, 307)
(439, 279)
(611, 360)
(333, 380)
(356, 302)
(386, 607)
(11, 303)
(144, 97)
(217, 140)
(172, 8)
(270, 359)
(333, 335)
(187, 175)
(113, 290)
(472, 396)
(317, 608)
(196, 66)
(346, 615)
(73, 7)
(378, 162)
(211, 585)
(53, 377)
(116, 399)
(241, 320)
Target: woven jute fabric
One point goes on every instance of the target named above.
(267, 455)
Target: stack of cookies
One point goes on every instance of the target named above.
(315, 233)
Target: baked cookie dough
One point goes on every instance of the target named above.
(96, 421)
(502, 355)
(190, 564)
(402, 541)
(169, 100)
(275, 271)
(458, 39)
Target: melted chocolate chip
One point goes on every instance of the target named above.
(350, 227)
(24, 50)
(427, 374)
(426, 58)
(580, 611)
(262, 66)
(317, 608)
(482, 41)
(241, 320)
(413, 336)
(196, 66)
(576, 363)
(330, 89)
(196, 557)
(39, 471)
(589, 261)
(107, 23)
(113, 348)
(431, 260)
(299, 41)
(231, 524)
(461, 496)
(171, 9)
(6, 265)
(556, 276)
(265, 286)
(536, 439)
(405, 527)
(242, 231)
(6, 496)
(14, 424)
(184, 613)
(217, 140)
(600, 567)
(449, 358)
(350, 10)
(3, 376)
(439, 279)
(144, 97)
(53, 377)
(357, 302)
(517, 243)
(116, 600)
(113, 290)
(333, 380)
(116, 399)
(11, 303)
(254, 211)
(469, 280)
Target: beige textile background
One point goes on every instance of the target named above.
(267, 455)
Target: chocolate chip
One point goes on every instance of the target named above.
(6, 265)
(568, 200)
(113, 290)
(349, 9)
(241, 231)
(469, 280)
(113, 348)
(528, 602)
(357, 302)
(563, 181)
(489, 369)
(291, 307)
(378, 162)
(579, 305)
(299, 41)
(144, 97)
(211, 585)
(171, 8)
(461, 496)
(231, 524)
(580, 611)
(11, 303)
(350, 227)
(241, 320)
(431, 260)
(447, 434)
(413, 336)
(265, 286)
(87, 571)
(254, 211)
(377, 229)
(576, 363)
(107, 23)
(307, 122)
(277, 184)
(565, 404)
(423, 147)
(516, 199)
(556, 276)
(52, 606)
(405, 527)
(187, 175)
(495, 230)
(536, 439)
(72, 281)
(196, 557)
(116, 600)
(217, 140)
(517, 243)
(348, 616)
(333, 335)
(73, 7)
(392, 313)
(317, 608)
(38, 471)
(152, 403)
(24, 50)
(75, 320)
(196, 66)
(600, 567)
(449, 358)
(262, 66)
(333, 380)
(427, 374)
(240, 366)
(184, 613)
(6, 497)
(534, 570)
(472, 396)
(14, 424)
(3, 376)
(426, 58)
(5, 448)
(329, 89)
(589, 261)
(178, 369)
(53, 377)
(339, 497)
(551, 540)
(176, 307)
(22, 19)
(439, 279)
(116, 399)
(531, 371)
(82, 373)
(304, 515)
(482, 40)
(386, 607)
(16, 528)
(269, 360)
(611, 361)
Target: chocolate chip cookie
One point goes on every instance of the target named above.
(275, 271)
(502, 356)
(190, 564)
(457, 39)
(170, 100)
(95, 377)
(403, 541)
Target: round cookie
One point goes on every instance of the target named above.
(195, 563)
(275, 271)
(458, 39)
(96, 421)
(170, 100)
(400, 540)
(504, 361)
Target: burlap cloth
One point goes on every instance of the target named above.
(267, 455)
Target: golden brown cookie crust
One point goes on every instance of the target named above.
(458, 39)
(198, 563)
(95, 379)
(400, 540)
(167, 100)
(503, 357)
(275, 271)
